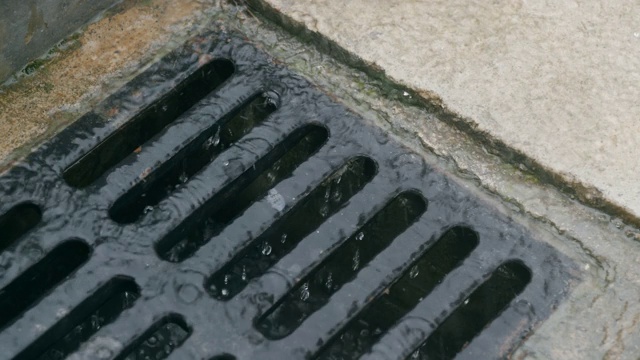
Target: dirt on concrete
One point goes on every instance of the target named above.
(84, 68)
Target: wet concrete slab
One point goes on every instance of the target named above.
(553, 85)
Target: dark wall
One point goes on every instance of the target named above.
(28, 28)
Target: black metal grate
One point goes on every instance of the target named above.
(220, 207)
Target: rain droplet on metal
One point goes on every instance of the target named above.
(329, 282)
(413, 273)
(244, 273)
(304, 292)
(356, 260)
(266, 248)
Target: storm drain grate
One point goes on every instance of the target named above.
(220, 207)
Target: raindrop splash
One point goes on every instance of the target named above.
(413, 273)
(304, 292)
(266, 248)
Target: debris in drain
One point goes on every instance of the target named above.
(227, 209)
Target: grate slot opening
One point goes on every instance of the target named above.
(100, 309)
(32, 285)
(159, 341)
(359, 335)
(148, 123)
(324, 201)
(484, 305)
(17, 222)
(202, 151)
(236, 197)
(342, 266)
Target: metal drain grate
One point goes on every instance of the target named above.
(220, 207)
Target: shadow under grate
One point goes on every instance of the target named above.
(219, 206)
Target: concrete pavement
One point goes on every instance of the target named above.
(552, 85)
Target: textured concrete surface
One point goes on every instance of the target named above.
(29, 28)
(557, 82)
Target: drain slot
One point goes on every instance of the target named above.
(100, 309)
(162, 182)
(17, 222)
(479, 310)
(229, 203)
(38, 280)
(160, 340)
(342, 266)
(416, 283)
(324, 201)
(148, 123)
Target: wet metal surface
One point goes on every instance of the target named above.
(205, 266)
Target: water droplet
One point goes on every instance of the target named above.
(266, 248)
(244, 273)
(304, 292)
(165, 107)
(213, 140)
(224, 292)
(226, 163)
(327, 194)
(466, 301)
(413, 273)
(329, 282)
(324, 210)
(283, 239)
(226, 279)
(147, 209)
(356, 260)
(416, 354)
(337, 195)
(183, 177)
(95, 322)
(360, 236)
(364, 333)
(152, 340)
